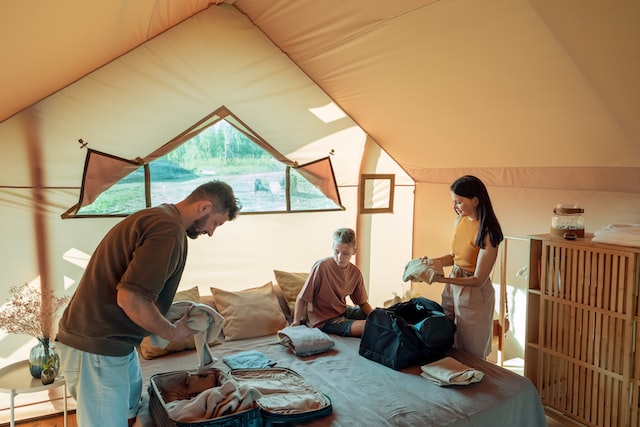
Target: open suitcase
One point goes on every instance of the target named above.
(287, 397)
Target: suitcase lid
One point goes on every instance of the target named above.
(287, 397)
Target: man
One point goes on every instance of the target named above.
(126, 289)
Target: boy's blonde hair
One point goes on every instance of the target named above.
(345, 235)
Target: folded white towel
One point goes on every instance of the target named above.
(449, 371)
(305, 341)
(203, 319)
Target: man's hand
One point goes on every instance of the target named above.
(145, 314)
(181, 330)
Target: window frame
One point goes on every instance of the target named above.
(325, 182)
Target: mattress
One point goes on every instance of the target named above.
(364, 392)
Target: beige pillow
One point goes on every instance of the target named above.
(281, 301)
(290, 283)
(148, 351)
(249, 313)
(188, 295)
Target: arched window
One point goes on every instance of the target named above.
(218, 147)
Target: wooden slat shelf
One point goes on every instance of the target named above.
(583, 321)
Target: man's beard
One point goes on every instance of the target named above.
(194, 229)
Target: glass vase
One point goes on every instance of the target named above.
(44, 361)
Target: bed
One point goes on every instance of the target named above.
(366, 393)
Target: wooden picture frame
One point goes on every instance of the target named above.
(375, 193)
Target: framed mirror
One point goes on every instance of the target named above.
(375, 193)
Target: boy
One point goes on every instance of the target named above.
(323, 296)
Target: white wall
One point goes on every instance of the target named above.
(241, 254)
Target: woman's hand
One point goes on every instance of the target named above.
(426, 260)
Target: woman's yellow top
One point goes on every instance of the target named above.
(465, 250)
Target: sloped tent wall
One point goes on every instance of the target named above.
(539, 98)
(521, 88)
(52, 45)
(528, 94)
(147, 97)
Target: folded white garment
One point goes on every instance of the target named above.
(448, 371)
(417, 270)
(619, 234)
(203, 319)
(214, 402)
(305, 341)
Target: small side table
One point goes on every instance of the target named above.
(16, 379)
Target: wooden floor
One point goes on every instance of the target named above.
(55, 421)
(552, 420)
(555, 420)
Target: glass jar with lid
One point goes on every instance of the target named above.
(568, 221)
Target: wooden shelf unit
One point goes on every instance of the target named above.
(583, 323)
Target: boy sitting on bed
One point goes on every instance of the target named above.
(323, 296)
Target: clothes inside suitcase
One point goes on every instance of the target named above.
(286, 397)
(168, 388)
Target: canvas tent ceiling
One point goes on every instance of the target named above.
(427, 79)
(527, 94)
(540, 98)
(145, 98)
(146, 86)
(424, 78)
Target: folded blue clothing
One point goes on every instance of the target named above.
(248, 359)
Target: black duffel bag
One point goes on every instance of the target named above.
(409, 333)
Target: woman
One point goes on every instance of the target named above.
(468, 296)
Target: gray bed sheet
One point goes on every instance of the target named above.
(365, 393)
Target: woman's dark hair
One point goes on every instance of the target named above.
(469, 186)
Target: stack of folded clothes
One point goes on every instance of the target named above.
(305, 341)
(449, 371)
